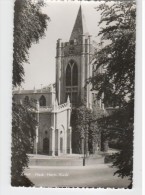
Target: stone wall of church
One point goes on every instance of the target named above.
(61, 119)
(44, 130)
(35, 96)
(62, 134)
(81, 53)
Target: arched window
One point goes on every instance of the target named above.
(71, 74)
(72, 81)
(68, 75)
(42, 101)
(74, 75)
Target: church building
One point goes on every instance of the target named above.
(53, 133)
(73, 64)
(54, 104)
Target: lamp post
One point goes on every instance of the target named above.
(37, 126)
(36, 138)
(85, 144)
(84, 157)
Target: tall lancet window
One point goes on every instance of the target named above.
(42, 101)
(72, 81)
(74, 75)
(68, 75)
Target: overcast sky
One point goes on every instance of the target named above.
(41, 69)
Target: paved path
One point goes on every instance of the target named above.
(64, 160)
(100, 175)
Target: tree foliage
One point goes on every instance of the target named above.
(119, 126)
(116, 57)
(23, 134)
(117, 54)
(85, 128)
(29, 26)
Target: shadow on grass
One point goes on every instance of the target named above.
(21, 181)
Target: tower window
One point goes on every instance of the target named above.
(72, 74)
(72, 81)
(68, 75)
(42, 101)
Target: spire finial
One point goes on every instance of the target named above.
(41, 87)
(79, 26)
(68, 100)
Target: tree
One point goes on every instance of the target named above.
(119, 126)
(23, 134)
(85, 128)
(29, 26)
(116, 57)
(79, 121)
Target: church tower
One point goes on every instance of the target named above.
(73, 65)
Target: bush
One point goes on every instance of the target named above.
(108, 158)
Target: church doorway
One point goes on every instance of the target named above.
(46, 145)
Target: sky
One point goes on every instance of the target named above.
(41, 67)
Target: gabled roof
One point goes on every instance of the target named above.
(79, 26)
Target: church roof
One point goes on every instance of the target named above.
(79, 26)
(47, 89)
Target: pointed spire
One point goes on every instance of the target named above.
(68, 101)
(79, 26)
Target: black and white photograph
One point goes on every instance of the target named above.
(73, 94)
